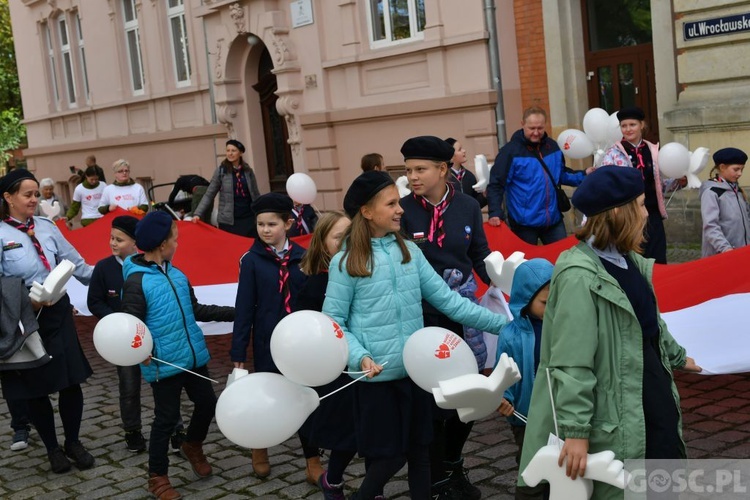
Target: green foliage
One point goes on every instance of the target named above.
(12, 131)
(10, 91)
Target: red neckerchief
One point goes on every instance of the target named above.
(239, 189)
(638, 152)
(301, 228)
(437, 231)
(283, 276)
(459, 174)
(28, 228)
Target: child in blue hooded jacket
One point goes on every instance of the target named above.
(521, 340)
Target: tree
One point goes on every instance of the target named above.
(12, 131)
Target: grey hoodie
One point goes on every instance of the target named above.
(726, 219)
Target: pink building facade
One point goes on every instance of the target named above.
(307, 85)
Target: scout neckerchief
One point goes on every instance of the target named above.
(638, 152)
(437, 231)
(28, 228)
(459, 174)
(239, 188)
(301, 226)
(283, 275)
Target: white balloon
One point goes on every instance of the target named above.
(122, 339)
(309, 348)
(574, 144)
(301, 188)
(615, 133)
(674, 160)
(433, 354)
(261, 410)
(596, 125)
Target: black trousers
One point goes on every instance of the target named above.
(167, 393)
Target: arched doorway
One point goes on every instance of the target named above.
(278, 151)
(620, 57)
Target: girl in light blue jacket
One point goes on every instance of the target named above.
(375, 291)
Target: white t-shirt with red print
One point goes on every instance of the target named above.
(123, 196)
(89, 200)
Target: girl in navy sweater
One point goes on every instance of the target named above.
(269, 281)
(447, 226)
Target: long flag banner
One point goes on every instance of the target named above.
(706, 303)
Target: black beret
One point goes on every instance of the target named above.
(14, 177)
(632, 113)
(273, 202)
(608, 187)
(427, 147)
(153, 230)
(126, 224)
(363, 189)
(730, 156)
(237, 144)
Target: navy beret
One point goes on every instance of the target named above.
(632, 113)
(126, 224)
(14, 177)
(730, 156)
(273, 202)
(153, 230)
(237, 144)
(608, 187)
(427, 147)
(363, 189)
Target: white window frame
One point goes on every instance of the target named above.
(387, 41)
(51, 63)
(137, 76)
(66, 61)
(179, 13)
(82, 57)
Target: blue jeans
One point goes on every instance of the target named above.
(531, 234)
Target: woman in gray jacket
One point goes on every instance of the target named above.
(235, 182)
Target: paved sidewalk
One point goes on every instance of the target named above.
(716, 415)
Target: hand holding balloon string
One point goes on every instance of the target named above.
(369, 373)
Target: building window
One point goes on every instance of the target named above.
(67, 61)
(178, 30)
(82, 56)
(51, 62)
(132, 39)
(395, 21)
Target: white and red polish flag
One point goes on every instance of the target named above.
(706, 303)
(209, 257)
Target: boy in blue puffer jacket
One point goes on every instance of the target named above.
(521, 340)
(161, 296)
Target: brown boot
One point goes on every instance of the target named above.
(313, 470)
(193, 452)
(161, 488)
(260, 463)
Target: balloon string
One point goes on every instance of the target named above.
(554, 413)
(184, 369)
(350, 383)
(365, 371)
(520, 417)
(670, 199)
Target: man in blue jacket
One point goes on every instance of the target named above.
(519, 176)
